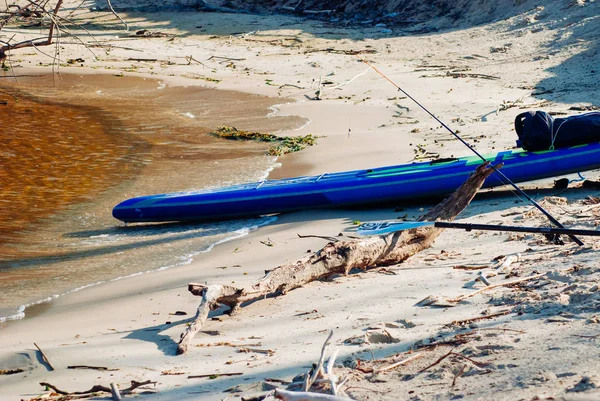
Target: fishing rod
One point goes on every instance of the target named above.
(385, 227)
(500, 173)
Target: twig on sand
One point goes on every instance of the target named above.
(470, 75)
(226, 58)
(457, 375)
(214, 375)
(291, 86)
(310, 379)
(11, 371)
(189, 59)
(476, 319)
(440, 359)
(454, 341)
(90, 367)
(112, 10)
(332, 239)
(400, 363)
(338, 51)
(474, 362)
(471, 267)
(256, 350)
(147, 60)
(44, 357)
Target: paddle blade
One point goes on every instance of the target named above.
(386, 227)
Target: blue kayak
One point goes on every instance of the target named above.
(361, 187)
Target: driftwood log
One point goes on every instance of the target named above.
(335, 258)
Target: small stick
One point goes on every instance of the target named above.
(332, 239)
(149, 60)
(275, 380)
(227, 58)
(457, 375)
(582, 336)
(90, 367)
(257, 350)
(471, 267)
(290, 85)
(501, 329)
(115, 392)
(402, 362)
(311, 379)
(454, 341)
(11, 371)
(478, 318)
(117, 15)
(440, 359)
(44, 357)
(474, 362)
(214, 375)
(342, 382)
(189, 59)
(483, 278)
(333, 379)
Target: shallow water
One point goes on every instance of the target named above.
(85, 143)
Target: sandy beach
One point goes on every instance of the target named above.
(537, 339)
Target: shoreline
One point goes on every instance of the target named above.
(110, 227)
(514, 342)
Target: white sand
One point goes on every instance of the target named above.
(540, 351)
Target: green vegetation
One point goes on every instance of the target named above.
(281, 146)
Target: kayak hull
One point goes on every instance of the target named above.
(360, 187)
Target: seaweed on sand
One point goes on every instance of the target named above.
(281, 146)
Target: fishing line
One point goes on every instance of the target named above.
(503, 177)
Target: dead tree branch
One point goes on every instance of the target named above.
(38, 9)
(112, 10)
(33, 43)
(335, 258)
(98, 388)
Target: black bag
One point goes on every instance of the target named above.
(540, 131)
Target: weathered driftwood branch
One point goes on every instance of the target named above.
(335, 258)
(98, 388)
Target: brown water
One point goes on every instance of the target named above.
(81, 145)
